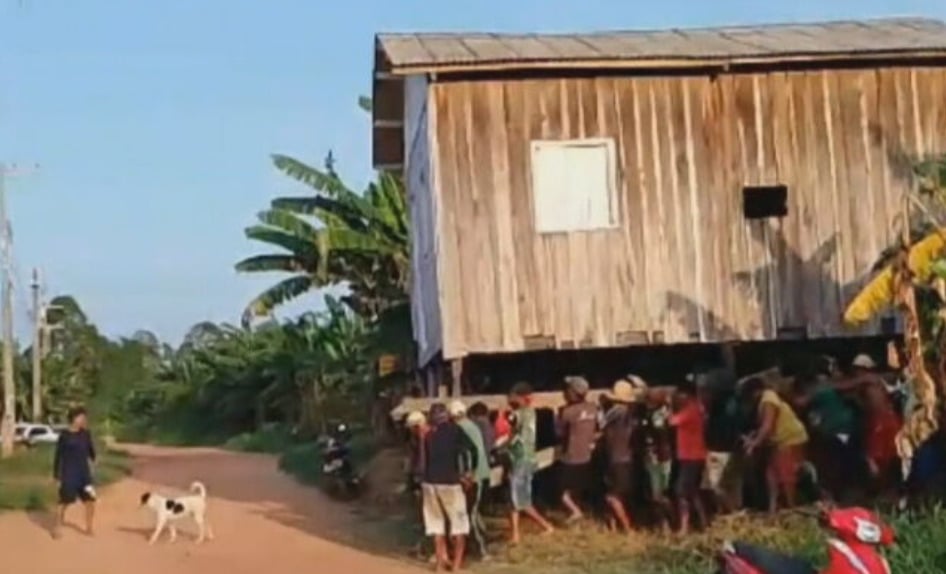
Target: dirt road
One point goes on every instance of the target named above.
(262, 519)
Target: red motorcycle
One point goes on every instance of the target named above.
(854, 549)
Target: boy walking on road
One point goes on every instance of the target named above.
(72, 470)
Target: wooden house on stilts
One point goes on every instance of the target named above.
(650, 188)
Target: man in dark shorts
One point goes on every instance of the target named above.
(724, 464)
(689, 423)
(72, 469)
(577, 425)
(617, 428)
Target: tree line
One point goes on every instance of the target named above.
(225, 379)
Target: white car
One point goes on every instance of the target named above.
(30, 433)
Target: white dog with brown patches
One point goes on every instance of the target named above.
(167, 511)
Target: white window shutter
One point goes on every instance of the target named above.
(573, 184)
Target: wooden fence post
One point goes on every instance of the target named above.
(456, 373)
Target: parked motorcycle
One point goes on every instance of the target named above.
(344, 482)
(854, 548)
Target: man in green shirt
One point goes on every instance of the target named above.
(480, 471)
(522, 459)
(832, 423)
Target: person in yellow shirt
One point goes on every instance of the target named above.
(783, 433)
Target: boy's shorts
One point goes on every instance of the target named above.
(520, 486)
(72, 491)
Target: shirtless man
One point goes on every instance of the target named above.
(882, 421)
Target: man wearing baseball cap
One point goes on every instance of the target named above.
(577, 425)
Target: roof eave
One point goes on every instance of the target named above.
(651, 64)
(388, 153)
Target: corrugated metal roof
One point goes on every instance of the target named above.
(429, 51)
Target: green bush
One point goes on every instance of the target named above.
(304, 460)
(183, 428)
(272, 439)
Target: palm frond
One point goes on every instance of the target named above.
(270, 263)
(394, 200)
(280, 293)
(291, 243)
(320, 180)
(918, 231)
(329, 210)
(341, 239)
(289, 222)
(878, 294)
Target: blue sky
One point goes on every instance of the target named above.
(153, 120)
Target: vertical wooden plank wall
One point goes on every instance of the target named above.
(684, 260)
(425, 279)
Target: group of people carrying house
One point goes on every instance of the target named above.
(692, 450)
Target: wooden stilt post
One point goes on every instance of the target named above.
(430, 380)
(456, 373)
(728, 353)
(442, 391)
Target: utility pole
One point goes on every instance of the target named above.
(39, 319)
(8, 422)
(9, 388)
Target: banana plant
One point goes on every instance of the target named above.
(912, 278)
(335, 236)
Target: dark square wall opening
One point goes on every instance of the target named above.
(764, 201)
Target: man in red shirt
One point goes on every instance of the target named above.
(689, 422)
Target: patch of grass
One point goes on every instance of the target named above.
(592, 550)
(304, 460)
(180, 427)
(919, 546)
(272, 439)
(26, 478)
(35, 501)
(175, 436)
